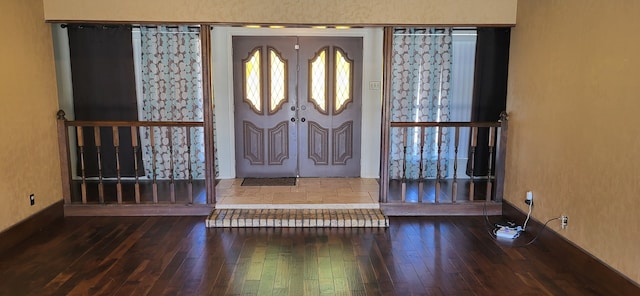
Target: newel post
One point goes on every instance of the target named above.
(501, 156)
(208, 113)
(63, 148)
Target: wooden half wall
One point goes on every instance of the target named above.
(353, 12)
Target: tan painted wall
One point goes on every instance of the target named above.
(454, 12)
(29, 160)
(574, 103)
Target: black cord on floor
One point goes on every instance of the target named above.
(536, 237)
(486, 218)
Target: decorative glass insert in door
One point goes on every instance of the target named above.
(252, 81)
(277, 81)
(318, 81)
(342, 83)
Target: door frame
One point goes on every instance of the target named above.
(221, 42)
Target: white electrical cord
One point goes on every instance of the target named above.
(524, 226)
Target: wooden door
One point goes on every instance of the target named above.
(330, 92)
(264, 69)
(297, 106)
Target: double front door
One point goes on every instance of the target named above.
(297, 106)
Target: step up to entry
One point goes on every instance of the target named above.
(297, 218)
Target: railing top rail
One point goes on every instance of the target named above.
(136, 123)
(446, 124)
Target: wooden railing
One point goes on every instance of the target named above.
(137, 189)
(449, 189)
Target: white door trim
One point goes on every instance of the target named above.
(222, 68)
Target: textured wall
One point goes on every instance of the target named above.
(28, 146)
(574, 128)
(287, 11)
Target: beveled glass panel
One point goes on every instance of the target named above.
(318, 81)
(252, 81)
(277, 81)
(343, 67)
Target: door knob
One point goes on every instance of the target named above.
(293, 119)
(303, 119)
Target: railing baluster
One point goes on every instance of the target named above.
(421, 177)
(134, 143)
(83, 186)
(438, 164)
(405, 131)
(98, 142)
(153, 163)
(190, 178)
(116, 147)
(474, 142)
(454, 187)
(489, 179)
(155, 166)
(172, 186)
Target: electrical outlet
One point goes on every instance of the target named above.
(564, 220)
(32, 199)
(529, 198)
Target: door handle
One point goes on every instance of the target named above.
(303, 119)
(293, 119)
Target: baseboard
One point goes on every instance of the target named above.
(30, 226)
(442, 209)
(138, 210)
(579, 259)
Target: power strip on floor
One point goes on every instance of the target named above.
(508, 232)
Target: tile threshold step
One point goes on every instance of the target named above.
(318, 206)
(297, 218)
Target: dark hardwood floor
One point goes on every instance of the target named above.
(179, 256)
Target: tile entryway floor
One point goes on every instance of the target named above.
(309, 193)
(312, 202)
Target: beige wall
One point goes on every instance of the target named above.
(574, 103)
(498, 12)
(28, 149)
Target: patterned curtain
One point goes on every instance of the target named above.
(421, 75)
(172, 91)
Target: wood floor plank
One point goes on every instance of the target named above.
(326, 286)
(222, 282)
(250, 287)
(281, 280)
(239, 276)
(257, 262)
(268, 275)
(311, 287)
(179, 256)
(311, 271)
